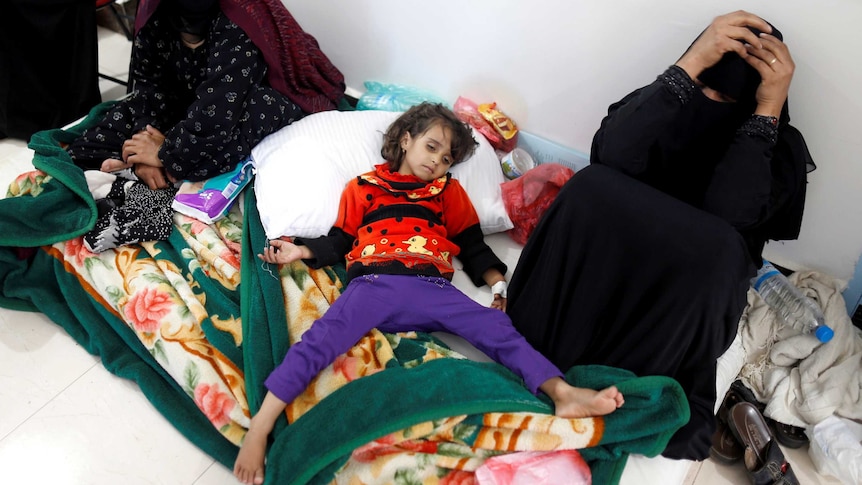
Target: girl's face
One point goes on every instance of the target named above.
(427, 156)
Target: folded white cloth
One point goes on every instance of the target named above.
(801, 380)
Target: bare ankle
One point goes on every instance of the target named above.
(553, 387)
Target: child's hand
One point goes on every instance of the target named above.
(498, 288)
(284, 252)
(499, 303)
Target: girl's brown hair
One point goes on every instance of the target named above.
(419, 119)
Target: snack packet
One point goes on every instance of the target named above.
(469, 112)
(502, 123)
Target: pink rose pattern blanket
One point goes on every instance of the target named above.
(177, 307)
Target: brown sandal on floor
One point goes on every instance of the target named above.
(725, 449)
(786, 434)
(763, 458)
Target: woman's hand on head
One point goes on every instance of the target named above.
(280, 251)
(726, 33)
(143, 147)
(776, 66)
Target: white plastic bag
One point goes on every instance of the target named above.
(535, 468)
(836, 450)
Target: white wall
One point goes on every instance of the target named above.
(555, 66)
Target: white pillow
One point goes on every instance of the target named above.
(303, 168)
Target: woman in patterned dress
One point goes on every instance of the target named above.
(207, 83)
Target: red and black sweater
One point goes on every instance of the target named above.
(389, 223)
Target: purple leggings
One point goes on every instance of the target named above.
(402, 303)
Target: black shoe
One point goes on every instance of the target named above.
(786, 434)
(725, 448)
(763, 458)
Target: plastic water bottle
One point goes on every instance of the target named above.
(796, 309)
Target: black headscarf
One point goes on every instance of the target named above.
(297, 67)
(711, 125)
(733, 76)
(710, 128)
(191, 16)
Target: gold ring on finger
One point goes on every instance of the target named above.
(773, 61)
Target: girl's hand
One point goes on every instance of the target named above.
(776, 67)
(499, 302)
(726, 33)
(284, 252)
(143, 147)
(499, 288)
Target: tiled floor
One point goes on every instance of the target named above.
(64, 419)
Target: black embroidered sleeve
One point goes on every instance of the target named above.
(678, 82)
(762, 126)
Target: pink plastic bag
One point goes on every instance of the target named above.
(471, 113)
(535, 468)
(528, 197)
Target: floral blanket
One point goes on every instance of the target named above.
(198, 322)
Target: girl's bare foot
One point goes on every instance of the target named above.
(579, 402)
(248, 467)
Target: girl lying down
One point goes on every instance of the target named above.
(399, 226)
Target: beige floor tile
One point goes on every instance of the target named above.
(114, 54)
(38, 360)
(640, 470)
(13, 163)
(9, 146)
(713, 473)
(101, 430)
(216, 474)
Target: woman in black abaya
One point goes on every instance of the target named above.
(643, 260)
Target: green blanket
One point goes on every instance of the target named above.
(173, 317)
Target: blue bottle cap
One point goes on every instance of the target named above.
(824, 333)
